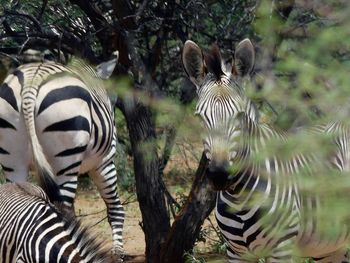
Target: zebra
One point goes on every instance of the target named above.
(60, 120)
(34, 230)
(260, 208)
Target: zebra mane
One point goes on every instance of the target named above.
(82, 67)
(86, 243)
(213, 61)
(91, 249)
(90, 77)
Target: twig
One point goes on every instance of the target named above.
(93, 213)
(140, 10)
(30, 17)
(24, 44)
(42, 10)
(126, 201)
(99, 222)
(169, 145)
(103, 210)
(215, 229)
(9, 56)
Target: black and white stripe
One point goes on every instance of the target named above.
(34, 230)
(61, 117)
(260, 209)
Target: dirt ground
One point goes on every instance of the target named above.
(92, 211)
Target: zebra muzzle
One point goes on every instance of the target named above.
(218, 175)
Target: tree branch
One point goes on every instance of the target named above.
(42, 10)
(35, 22)
(187, 224)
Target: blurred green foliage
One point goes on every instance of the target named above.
(125, 172)
(302, 80)
(190, 258)
(2, 177)
(301, 76)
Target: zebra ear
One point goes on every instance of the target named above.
(105, 69)
(193, 62)
(244, 58)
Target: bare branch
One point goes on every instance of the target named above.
(36, 23)
(42, 10)
(140, 10)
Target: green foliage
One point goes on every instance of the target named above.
(126, 178)
(123, 161)
(301, 78)
(307, 85)
(190, 258)
(310, 70)
(220, 247)
(50, 25)
(2, 177)
(85, 182)
(302, 81)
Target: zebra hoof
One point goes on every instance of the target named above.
(119, 254)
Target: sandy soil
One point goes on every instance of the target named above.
(92, 211)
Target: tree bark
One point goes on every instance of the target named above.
(187, 224)
(150, 193)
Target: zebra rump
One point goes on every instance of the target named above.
(60, 118)
(34, 230)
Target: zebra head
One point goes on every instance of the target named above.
(220, 99)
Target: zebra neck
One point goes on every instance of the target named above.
(251, 111)
(246, 176)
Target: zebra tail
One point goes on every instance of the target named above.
(44, 169)
(49, 186)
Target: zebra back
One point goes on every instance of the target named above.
(35, 230)
(61, 119)
(33, 76)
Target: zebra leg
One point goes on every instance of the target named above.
(340, 256)
(68, 191)
(105, 178)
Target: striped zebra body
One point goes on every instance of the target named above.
(260, 209)
(60, 117)
(33, 230)
(273, 217)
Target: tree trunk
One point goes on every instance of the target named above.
(150, 193)
(187, 224)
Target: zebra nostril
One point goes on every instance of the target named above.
(217, 169)
(218, 175)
